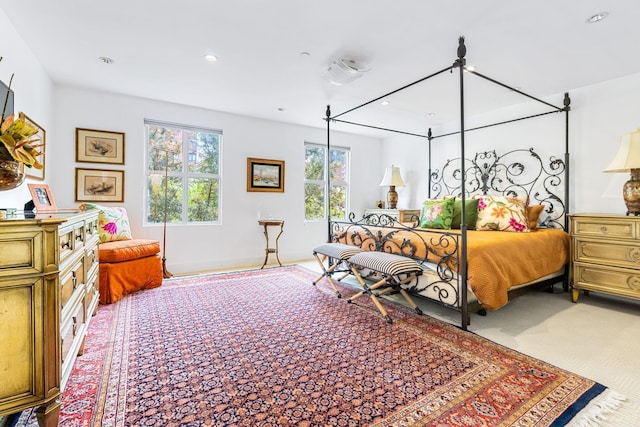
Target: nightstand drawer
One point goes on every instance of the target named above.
(618, 228)
(621, 254)
(607, 279)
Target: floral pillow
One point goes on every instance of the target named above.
(437, 214)
(113, 223)
(502, 213)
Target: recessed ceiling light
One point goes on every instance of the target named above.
(305, 54)
(210, 57)
(105, 60)
(597, 17)
(431, 114)
(384, 103)
(280, 109)
(469, 68)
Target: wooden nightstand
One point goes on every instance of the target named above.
(400, 215)
(605, 254)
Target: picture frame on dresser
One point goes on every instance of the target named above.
(99, 146)
(42, 197)
(99, 185)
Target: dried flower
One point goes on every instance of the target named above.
(19, 138)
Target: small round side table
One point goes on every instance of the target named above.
(266, 223)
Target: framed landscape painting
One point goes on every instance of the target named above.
(97, 185)
(265, 175)
(99, 146)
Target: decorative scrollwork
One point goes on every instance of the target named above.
(520, 173)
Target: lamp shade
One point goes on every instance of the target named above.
(628, 155)
(392, 177)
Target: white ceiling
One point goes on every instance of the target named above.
(545, 47)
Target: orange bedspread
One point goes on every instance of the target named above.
(496, 260)
(499, 260)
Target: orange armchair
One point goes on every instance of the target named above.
(127, 266)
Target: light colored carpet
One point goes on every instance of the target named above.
(598, 337)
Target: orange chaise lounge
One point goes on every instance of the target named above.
(126, 264)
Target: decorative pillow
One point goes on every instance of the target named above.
(437, 214)
(501, 213)
(113, 223)
(470, 213)
(533, 214)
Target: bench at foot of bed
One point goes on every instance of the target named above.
(396, 270)
(337, 254)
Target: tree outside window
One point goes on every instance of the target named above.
(315, 182)
(187, 161)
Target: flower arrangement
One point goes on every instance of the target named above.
(19, 141)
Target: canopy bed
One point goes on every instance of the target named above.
(479, 261)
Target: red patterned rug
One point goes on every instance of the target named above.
(266, 348)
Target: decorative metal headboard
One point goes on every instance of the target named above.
(520, 173)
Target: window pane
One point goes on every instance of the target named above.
(156, 199)
(338, 165)
(203, 200)
(338, 202)
(161, 141)
(314, 201)
(314, 163)
(203, 152)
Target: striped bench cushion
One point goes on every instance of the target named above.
(337, 250)
(385, 263)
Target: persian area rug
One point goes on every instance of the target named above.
(267, 348)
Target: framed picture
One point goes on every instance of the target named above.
(42, 197)
(99, 146)
(97, 185)
(265, 175)
(42, 135)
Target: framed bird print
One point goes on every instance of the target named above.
(99, 146)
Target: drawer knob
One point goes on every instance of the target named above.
(603, 229)
(634, 255)
(634, 283)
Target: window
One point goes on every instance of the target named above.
(187, 160)
(315, 182)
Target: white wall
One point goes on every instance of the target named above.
(599, 115)
(33, 95)
(238, 241)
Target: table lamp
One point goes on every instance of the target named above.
(393, 179)
(627, 159)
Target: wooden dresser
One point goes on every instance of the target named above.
(400, 215)
(48, 293)
(605, 254)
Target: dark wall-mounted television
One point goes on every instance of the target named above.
(4, 89)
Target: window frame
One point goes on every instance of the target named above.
(185, 175)
(324, 182)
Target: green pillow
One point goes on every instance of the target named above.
(470, 212)
(437, 214)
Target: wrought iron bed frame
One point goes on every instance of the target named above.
(480, 177)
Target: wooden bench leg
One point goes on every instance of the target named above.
(327, 273)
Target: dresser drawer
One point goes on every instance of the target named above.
(613, 228)
(623, 254)
(71, 281)
(612, 280)
(19, 253)
(70, 330)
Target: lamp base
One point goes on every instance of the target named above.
(631, 193)
(392, 197)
